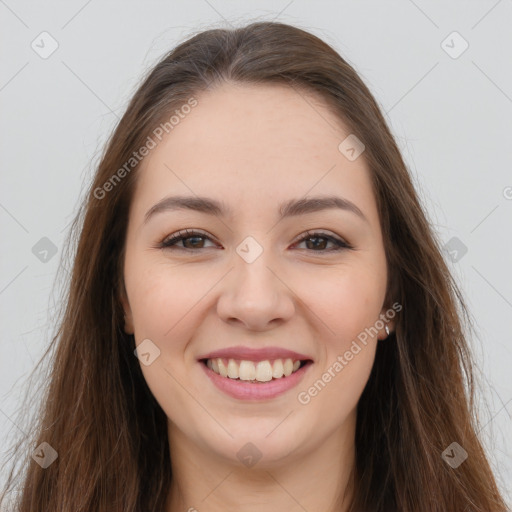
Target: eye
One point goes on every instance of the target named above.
(320, 240)
(191, 239)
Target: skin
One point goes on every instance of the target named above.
(254, 147)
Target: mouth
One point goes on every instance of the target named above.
(254, 372)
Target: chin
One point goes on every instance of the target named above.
(259, 444)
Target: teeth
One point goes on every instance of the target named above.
(232, 369)
(288, 367)
(223, 369)
(262, 371)
(246, 370)
(277, 371)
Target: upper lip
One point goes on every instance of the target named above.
(255, 354)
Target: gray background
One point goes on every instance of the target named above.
(451, 115)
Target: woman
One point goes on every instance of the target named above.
(259, 315)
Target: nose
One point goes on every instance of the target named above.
(255, 295)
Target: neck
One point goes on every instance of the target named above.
(319, 480)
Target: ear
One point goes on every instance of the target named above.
(128, 318)
(388, 320)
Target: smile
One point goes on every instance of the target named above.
(253, 371)
(255, 374)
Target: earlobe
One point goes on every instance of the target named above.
(386, 331)
(128, 324)
(388, 327)
(128, 319)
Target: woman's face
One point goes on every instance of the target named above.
(250, 284)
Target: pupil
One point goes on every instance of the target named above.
(316, 244)
(187, 240)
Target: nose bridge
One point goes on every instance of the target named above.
(253, 280)
(254, 295)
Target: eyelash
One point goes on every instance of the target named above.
(171, 241)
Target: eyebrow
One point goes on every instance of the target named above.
(292, 208)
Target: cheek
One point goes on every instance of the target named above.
(346, 304)
(160, 298)
(344, 301)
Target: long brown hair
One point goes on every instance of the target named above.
(98, 413)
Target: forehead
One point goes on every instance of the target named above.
(252, 146)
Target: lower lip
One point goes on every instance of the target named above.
(245, 390)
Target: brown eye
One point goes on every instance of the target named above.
(191, 240)
(318, 241)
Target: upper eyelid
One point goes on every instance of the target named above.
(321, 232)
(189, 232)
